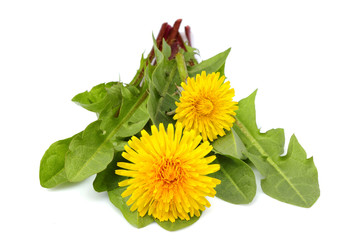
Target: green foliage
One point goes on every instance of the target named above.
(238, 183)
(139, 74)
(213, 64)
(230, 145)
(132, 217)
(124, 110)
(108, 180)
(97, 98)
(93, 151)
(52, 171)
(292, 178)
(119, 144)
(88, 153)
(162, 85)
(190, 55)
(133, 115)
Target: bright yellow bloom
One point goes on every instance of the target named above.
(167, 173)
(206, 105)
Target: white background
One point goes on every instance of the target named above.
(303, 56)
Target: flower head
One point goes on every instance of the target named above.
(167, 173)
(206, 105)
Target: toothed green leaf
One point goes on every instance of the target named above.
(292, 178)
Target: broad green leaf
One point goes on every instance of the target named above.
(88, 153)
(108, 180)
(52, 172)
(213, 64)
(293, 178)
(96, 99)
(229, 145)
(178, 224)
(132, 217)
(93, 151)
(238, 183)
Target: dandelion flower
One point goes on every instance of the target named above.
(167, 173)
(206, 105)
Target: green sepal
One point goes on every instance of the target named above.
(133, 218)
(238, 183)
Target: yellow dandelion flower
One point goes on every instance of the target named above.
(167, 173)
(206, 105)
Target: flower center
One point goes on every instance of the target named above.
(170, 171)
(204, 106)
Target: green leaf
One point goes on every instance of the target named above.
(178, 224)
(93, 151)
(190, 54)
(88, 153)
(138, 118)
(96, 99)
(238, 183)
(119, 144)
(163, 89)
(214, 64)
(108, 180)
(136, 122)
(132, 217)
(52, 172)
(230, 145)
(292, 178)
(139, 74)
(166, 49)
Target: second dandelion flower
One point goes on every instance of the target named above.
(206, 105)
